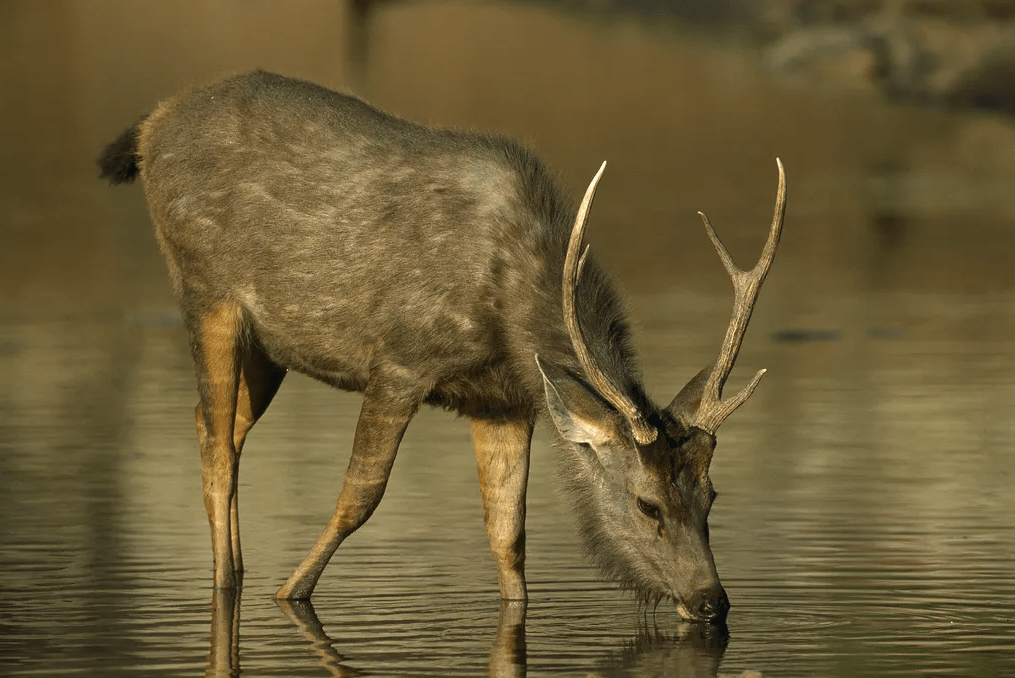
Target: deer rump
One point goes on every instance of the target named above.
(305, 230)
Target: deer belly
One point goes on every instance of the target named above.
(342, 341)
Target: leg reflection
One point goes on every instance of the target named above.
(224, 655)
(301, 614)
(508, 654)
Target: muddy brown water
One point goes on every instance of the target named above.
(866, 520)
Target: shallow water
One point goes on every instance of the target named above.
(866, 523)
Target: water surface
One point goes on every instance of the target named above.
(866, 520)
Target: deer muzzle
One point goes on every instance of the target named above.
(708, 605)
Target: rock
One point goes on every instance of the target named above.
(954, 52)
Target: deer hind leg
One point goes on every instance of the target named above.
(259, 382)
(502, 457)
(216, 335)
(385, 414)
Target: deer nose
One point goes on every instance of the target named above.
(712, 605)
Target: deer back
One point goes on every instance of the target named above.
(350, 236)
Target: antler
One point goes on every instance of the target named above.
(713, 411)
(573, 265)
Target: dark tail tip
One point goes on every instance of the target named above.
(118, 161)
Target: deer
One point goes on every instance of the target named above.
(305, 230)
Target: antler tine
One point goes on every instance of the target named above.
(573, 264)
(746, 285)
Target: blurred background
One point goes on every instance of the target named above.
(866, 524)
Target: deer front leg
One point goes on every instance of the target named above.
(382, 421)
(502, 457)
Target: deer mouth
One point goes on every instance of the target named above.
(710, 610)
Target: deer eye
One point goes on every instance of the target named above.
(648, 508)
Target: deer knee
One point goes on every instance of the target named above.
(509, 549)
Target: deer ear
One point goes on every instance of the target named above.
(685, 405)
(579, 414)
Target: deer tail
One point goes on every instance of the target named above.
(118, 161)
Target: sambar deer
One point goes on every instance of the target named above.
(305, 230)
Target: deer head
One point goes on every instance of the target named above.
(638, 479)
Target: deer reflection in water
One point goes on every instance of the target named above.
(691, 650)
